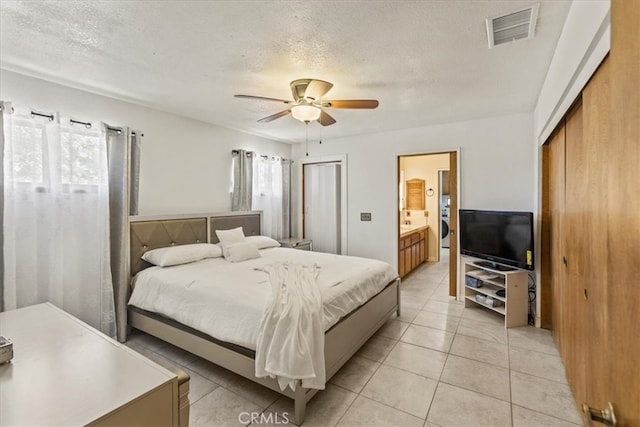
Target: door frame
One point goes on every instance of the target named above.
(459, 295)
(336, 158)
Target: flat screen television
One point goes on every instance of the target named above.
(498, 236)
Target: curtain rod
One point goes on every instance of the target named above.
(264, 156)
(48, 116)
(86, 124)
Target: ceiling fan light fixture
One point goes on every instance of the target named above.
(305, 113)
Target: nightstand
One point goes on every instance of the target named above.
(297, 243)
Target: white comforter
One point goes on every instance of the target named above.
(227, 300)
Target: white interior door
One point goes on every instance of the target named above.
(322, 206)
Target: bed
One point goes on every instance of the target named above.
(348, 330)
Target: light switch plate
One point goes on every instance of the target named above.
(365, 216)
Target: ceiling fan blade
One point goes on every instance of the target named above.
(274, 116)
(325, 119)
(263, 98)
(351, 103)
(309, 89)
(317, 88)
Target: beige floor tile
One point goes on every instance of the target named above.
(531, 338)
(402, 390)
(369, 413)
(199, 386)
(178, 355)
(442, 296)
(428, 337)
(437, 321)
(490, 331)
(477, 376)
(220, 408)
(146, 340)
(445, 279)
(452, 308)
(211, 371)
(539, 364)
(393, 329)
(482, 315)
(416, 359)
(434, 275)
(454, 406)
(408, 301)
(252, 391)
(419, 290)
(377, 348)
(415, 283)
(249, 390)
(135, 342)
(145, 351)
(480, 350)
(324, 409)
(546, 396)
(523, 417)
(355, 373)
(407, 314)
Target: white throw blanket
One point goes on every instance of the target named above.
(290, 345)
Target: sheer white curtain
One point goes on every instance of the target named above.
(271, 177)
(56, 217)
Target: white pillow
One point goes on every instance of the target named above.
(182, 254)
(262, 242)
(242, 251)
(228, 238)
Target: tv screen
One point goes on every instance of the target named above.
(500, 237)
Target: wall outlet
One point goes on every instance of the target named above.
(365, 216)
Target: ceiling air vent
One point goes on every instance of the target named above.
(517, 25)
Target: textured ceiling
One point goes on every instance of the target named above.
(427, 62)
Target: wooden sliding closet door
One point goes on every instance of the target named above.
(553, 233)
(623, 198)
(586, 246)
(573, 248)
(591, 227)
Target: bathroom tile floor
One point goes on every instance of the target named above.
(438, 364)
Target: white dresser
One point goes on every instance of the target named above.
(64, 372)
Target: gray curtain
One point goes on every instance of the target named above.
(134, 190)
(242, 180)
(5, 107)
(286, 197)
(123, 147)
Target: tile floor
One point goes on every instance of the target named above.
(438, 364)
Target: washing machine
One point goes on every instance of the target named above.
(444, 228)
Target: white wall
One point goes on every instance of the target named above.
(496, 158)
(583, 44)
(185, 163)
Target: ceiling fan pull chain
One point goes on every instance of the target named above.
(307, 138)
(320, 134)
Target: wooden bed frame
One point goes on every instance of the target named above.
(341, 341)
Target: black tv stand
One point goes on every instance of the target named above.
(494, 266)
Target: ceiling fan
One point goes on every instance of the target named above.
(307, 105)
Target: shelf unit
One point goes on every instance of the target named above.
(516, 301)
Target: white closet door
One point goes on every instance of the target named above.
(322, 206)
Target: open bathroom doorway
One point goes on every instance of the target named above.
(427, 214)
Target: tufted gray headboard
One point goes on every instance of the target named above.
(250, 224)
(147, 233)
